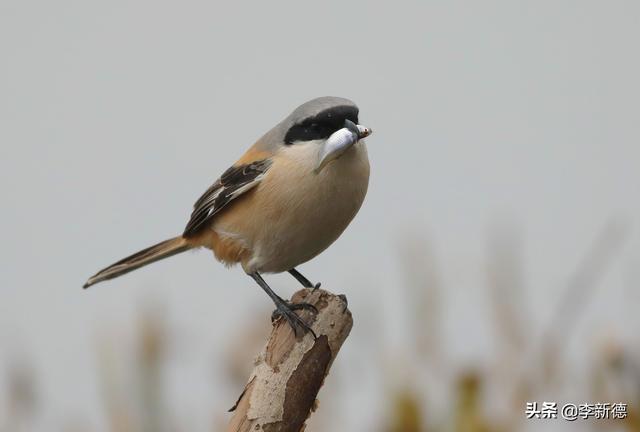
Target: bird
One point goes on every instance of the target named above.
(282, 203)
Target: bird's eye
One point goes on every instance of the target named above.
(312, 130)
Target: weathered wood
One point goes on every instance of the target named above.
(281, 392)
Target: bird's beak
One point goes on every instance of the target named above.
(339, 142)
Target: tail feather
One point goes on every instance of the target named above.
(146, 256)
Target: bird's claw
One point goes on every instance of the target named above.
(287, 310)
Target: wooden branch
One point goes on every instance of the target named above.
(288, 373)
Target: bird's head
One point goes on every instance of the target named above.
(328, 123)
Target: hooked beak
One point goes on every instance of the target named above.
(341, 141)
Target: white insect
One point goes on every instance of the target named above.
(340, 141)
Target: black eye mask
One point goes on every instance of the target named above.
(322, 125)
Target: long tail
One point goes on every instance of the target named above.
(146, 256)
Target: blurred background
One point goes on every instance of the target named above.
(496, 259)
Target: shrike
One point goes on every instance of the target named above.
(282, 203)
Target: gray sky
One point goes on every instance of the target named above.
(115, 116)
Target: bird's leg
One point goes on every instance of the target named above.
(303, 280)
(285, 309)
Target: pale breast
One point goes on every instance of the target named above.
(294, 214)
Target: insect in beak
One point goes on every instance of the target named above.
(341, 141)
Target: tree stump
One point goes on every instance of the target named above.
(281, 392)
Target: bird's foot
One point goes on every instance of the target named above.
(312, 286)
(287, 310)
(303, 280)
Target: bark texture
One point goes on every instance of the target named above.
(288, 373)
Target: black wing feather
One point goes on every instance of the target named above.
(232, 183)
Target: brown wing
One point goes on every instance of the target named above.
(234, 182)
